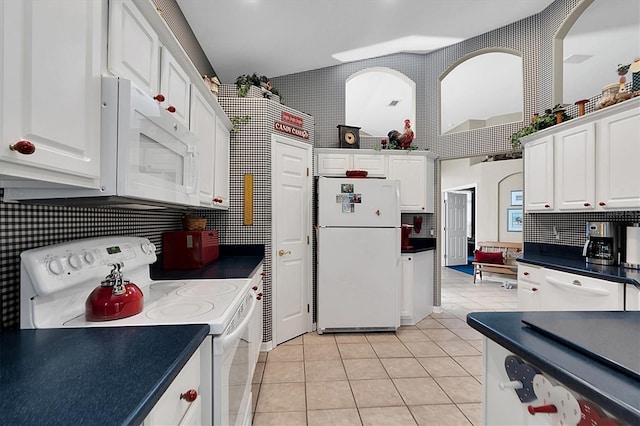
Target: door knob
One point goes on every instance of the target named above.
(282, 252)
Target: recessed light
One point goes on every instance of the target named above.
(576, 58)
(413, 44)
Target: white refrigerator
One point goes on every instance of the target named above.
(359, 271)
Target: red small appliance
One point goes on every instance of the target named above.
(189, 249)
(116, 298)
(406, 231)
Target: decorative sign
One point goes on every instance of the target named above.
(247, 208)
(287, 128)
(293, 119)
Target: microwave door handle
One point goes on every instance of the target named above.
(584, 249)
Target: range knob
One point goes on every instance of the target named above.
(74, 261)
(89, 257)
(55, 266)
(148, 248)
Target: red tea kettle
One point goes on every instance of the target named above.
(115, 298)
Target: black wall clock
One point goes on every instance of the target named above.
(349, 136)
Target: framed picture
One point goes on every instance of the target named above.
(514, 220)
(516, 198)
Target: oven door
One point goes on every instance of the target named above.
(236, 368)
(157, 156)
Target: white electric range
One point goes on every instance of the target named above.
(57, 279)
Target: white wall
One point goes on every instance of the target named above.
(494, 182)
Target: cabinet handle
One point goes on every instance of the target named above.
(171, 109)
(587, 204)
(217, 200)
(525, 273)
(190, 395)
(254, 288)
(263, 273)
(23, 147)
(546, 206)
(159, 97)
(534, 288)
(602, 203)
(516, 384)
(549, 408)
(259, 297)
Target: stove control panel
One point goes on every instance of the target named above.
(57, 267)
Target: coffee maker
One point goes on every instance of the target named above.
(601, 247)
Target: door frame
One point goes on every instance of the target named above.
(279, 139)
(443, 212)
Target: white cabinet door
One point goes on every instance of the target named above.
(221, 180)
(575, 168)
(406, 298)
(538, 179)
(50, 90)
(430, 200)
(134, 48)
(175, 86)
(411, 171)
(203, 125)
(172, 408)
(374, 164)
(618, 148)
(333, 163)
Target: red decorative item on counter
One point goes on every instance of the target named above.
(116, 298)
(357, 173)
(189, 249)
(406, 231)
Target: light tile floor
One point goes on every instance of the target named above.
(427, 374)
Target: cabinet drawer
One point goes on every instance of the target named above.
(171, 408)
(529, 273)
(570, 292)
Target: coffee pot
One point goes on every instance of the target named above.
(601, 247)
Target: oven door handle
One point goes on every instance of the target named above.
(229, 339)
(578, 288)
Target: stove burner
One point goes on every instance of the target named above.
(206, 289)
(180, 310)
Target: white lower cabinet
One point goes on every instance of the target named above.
(50, 92)
(529, 287)
(416, 300)
(189, 395)
(544, 289)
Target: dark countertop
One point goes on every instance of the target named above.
(235, 261)
(92, 376)
(613, 390)
(420, 244)
(569, 259)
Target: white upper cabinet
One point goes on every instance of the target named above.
(575, 168)
(415, 171)
(134, 48)
(411, 171)
(221, 165)
(175, 86)
(203, 125)
(587, 164)
(50, 91)
(618, 160)
(538, 178)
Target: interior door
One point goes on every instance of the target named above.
(291, 249)
(455, 229)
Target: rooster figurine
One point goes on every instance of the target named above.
(403, 140)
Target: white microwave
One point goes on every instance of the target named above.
(147, 157)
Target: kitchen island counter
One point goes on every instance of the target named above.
(577, 369)
(96, 376)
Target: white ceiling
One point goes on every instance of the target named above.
(280, 37)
